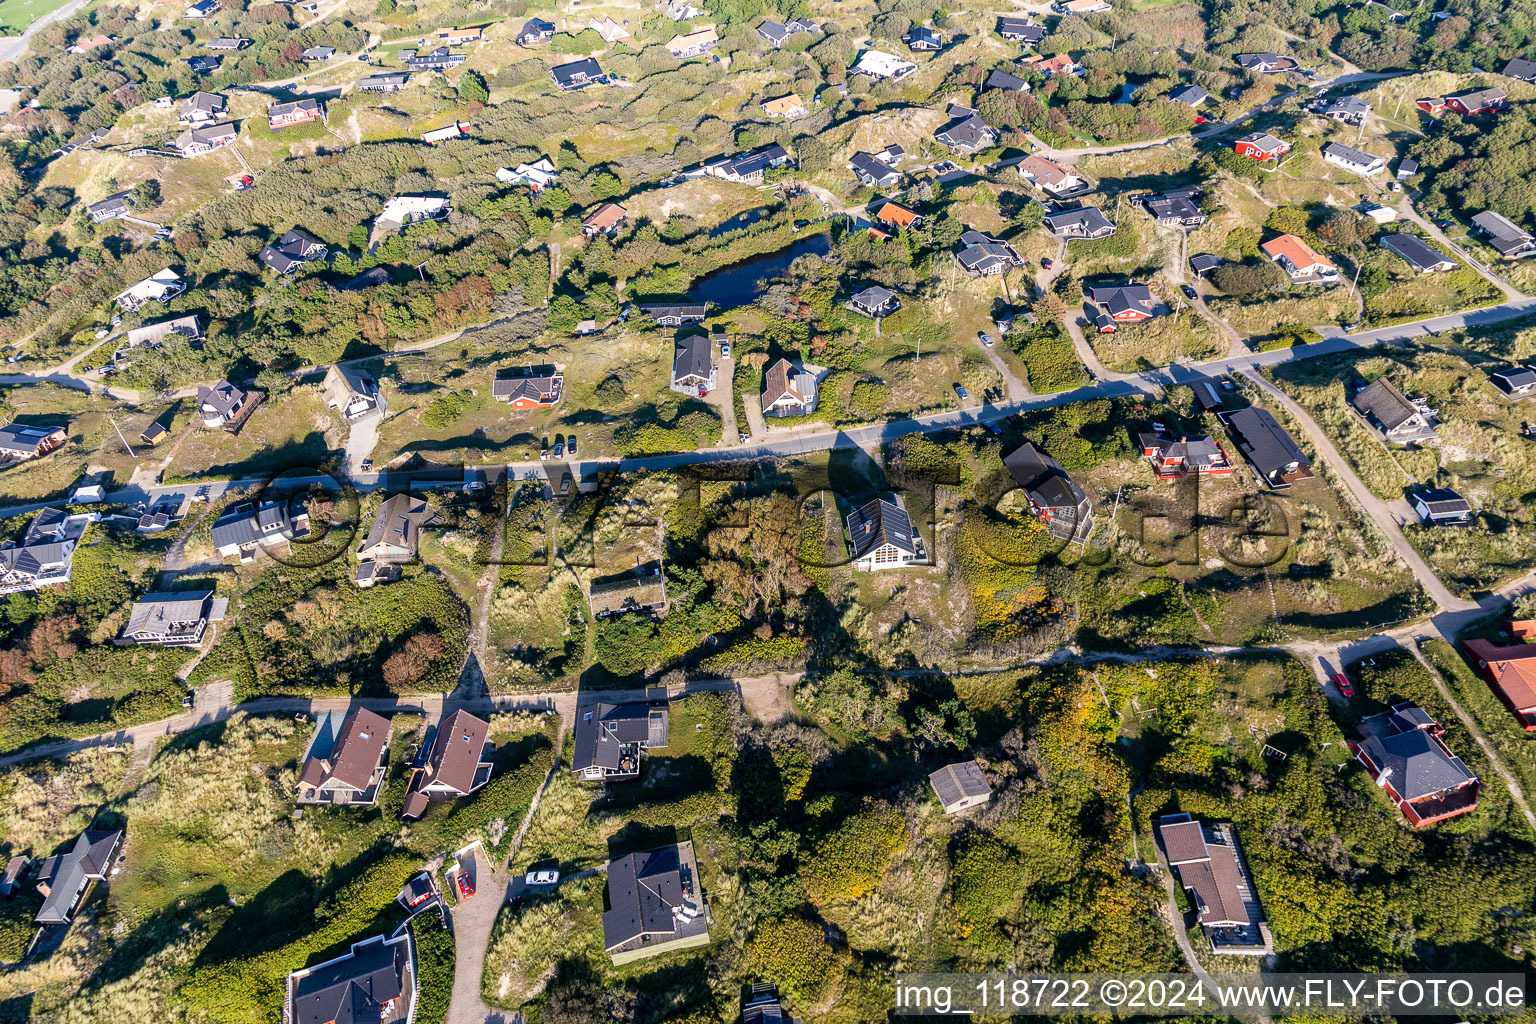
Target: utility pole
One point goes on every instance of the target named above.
(121, 438)
(1355, 281)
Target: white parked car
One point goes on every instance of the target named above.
(544, 876)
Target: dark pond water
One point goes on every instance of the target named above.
(739, 285)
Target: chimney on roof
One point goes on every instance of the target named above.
(325, 765)
(45, 889)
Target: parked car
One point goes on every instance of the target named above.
(703, 393)
(725, 350)
(572, 447)
(1190, 293)
(544, 455)
(960, 390)
(466, 887)
(559, 449)
(543, 876)
(986, 339)
(1346, 689)
(997, 431)
(1046, 263)
(366, 465)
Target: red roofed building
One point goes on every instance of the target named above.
(1511, 675)
(897, 216)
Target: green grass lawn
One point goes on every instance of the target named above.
(16, 15)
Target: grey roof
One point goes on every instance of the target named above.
(1503, 234)
(399, 521)
(293, 250)
(983, 253)
(1172, 208)
(159, 613)
(1020, 28)
(874, 296)
(1442, 501)
(1003, 80)
(1517, 376)
(924, 36)
(773, 31)
(1265, 443)
(354, 989)
(1203, 261)
(1417, 766)
(279, 109)
(1351, 155)
(67, 873)
(318, 52)
(1521, 68)
(644, 891)
(1352, 105)
(25, 439)
(868, 166)
(568, 74)
(1064, 505)
(1122, 297)
(540, 389)
(1408, 166)
(1478, 99)
(602, 730)
(879, 522)
(962, 781)
(1383, 402)
(693, 357)
(384, 81)
(205, 134)
(745, 165)
(675, 310)
(1193, 449)
(1087, 220)
(968, 132)
(247, 525)
(223, 397)
(113, 204)
(1190, 94)
(535, 28)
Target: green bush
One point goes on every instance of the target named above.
(434, 969)
(850, 861)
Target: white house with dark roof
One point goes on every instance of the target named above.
(656, 904)
(960, 786)
(114, 207)
(45, 555)
(788, 390)
(1389, 411)
(966, 132)
(1441, 506)
(202, 108)
(172, 619)
(1079, 222)
(872, 171)
(220, 404)
(20, 442)
(610, 739)
(393, 539)
(161, 286)
(1510, 240)
(246, 529)
(881, 536)
(983, 256)
(875, 302)
(693, 365)
(292, 251)
(205, 139)
(346, 760)
(1355, 161)
(1418, 254)
(1056, 499)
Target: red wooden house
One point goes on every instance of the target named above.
(1477, 101)
(1510, 672)
(1172, 458)
(1431, 104)
(1403, 750)
(1261, 146)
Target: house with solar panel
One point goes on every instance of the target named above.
(881, 536)
(45, 556)
(960, 787)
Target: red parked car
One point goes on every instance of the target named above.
(1345, 686)
(466, 888)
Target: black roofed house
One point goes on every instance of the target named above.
(1175, 208)
(577, 74)
(1403, 750)
(655, 904)
(201, 108)
(1173, 458)
(204, 65)
(1202, 263)
(64, 878)
(891, 155)
(172, 619)
(777, 35)
(1353, 160)
(317, 53)
(15, 870)
(693, 365)
(454, 766)
(761, 1005)
(373, 983)
(244, 529)
(439, 59)
(1020, 30)
(1441, 506)
(611, 739)
(960, 786)
(113, 207)
(967, 132)
(1059, 502)
(1349, 109)
(1514, 381)
(346, 760)
(292, 251)
(529, 392)
(197, 141)
(984, 256)
(1079, 222)
(393, 539)
(923, 39)
(675, 314)
(872, 172)
(749, 168)
(874, 302)
(1190, 95)
(881, 537)
(1389, 411)
(788, 390)
(1206, 396)
(534, 32)
(154, 433)
(1407, 168)
(225, 405)
(389, 82)
(353, 392)
(286, 115)
(1121, 304)
(1265, 63)
(45, 555)
(228, 43)
(20, 442)
(1271, 451)
(1521, 69)
(1003, 80)
(1208, 863)
(1512, 241)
